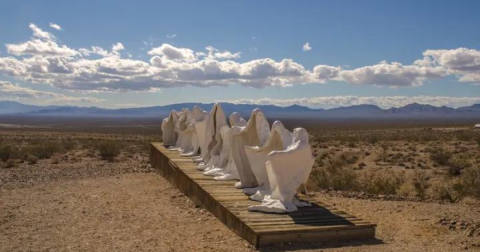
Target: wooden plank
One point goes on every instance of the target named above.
(320, 222)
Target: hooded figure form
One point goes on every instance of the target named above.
(287, 170)
(225, 163)
(280, 138)
(168, 129)
(213, 141)
(255, 133)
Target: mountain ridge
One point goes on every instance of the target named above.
(294, 111)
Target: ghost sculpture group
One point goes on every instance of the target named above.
(270, 164)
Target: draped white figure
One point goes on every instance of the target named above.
(168, 129)
(197, 116)
(279, 139)
(178, 129)
(224, 160)
(229, 172)
(201, 119)
(287, 170)
(255, 133)
(186, 145)
(213, 139)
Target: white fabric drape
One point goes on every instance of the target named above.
(279, 139)
(229, 172)
(168, 129)
(213, 141)
(286, 171)
(255, 133)
(197, 115)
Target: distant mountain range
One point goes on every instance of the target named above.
(414, 110)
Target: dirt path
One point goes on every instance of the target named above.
(143, 212)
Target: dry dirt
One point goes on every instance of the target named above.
(133, 211)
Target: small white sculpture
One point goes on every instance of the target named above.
(280, 138)
(254, 134)
(168, 129)
(286, 171)
(230, 170)
(213, 144)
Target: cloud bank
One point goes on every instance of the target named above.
(44, 60)
(385, 102)
(10, 91)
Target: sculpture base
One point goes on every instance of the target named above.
(309, 224)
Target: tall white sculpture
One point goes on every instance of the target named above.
(279, 139)
(218, 168)
(287, 170)
(211, 151)
(197, 116)
(180, 126)
(200, 128)
(230, 171)
(168, 129)
(254, 134)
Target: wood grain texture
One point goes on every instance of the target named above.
(320, 222)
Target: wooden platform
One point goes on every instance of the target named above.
(317, 223)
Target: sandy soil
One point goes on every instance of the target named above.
(143, 212)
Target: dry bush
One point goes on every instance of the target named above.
(109, 150)
(384, 182)
(10, 164)
(334, 175)
(440, 156)
(6, 152)
(32, 159)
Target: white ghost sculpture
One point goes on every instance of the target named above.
(180, 126)
(287, 170)
(230, 170)
(255, 133)
(279, 139)
(201, 118)
(213, 144)
(186, 145)
(197, 116)
(225, 159)
(168, 129)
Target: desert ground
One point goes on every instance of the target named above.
(68, 188)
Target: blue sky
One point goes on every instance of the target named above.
(260, 52)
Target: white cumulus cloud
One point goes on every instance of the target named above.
(56, 26)
(306, 47)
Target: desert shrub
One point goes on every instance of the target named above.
(335, 176)
(44, 150)
(381, 182)
(440, 156)
(457, 164)
(10, 163)
(470, 182)
(453, 190)
(383, 156)
(420, 182)
(6, 152)
(349, 157)
(450, 190)
(108, 150)
(32, 159)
